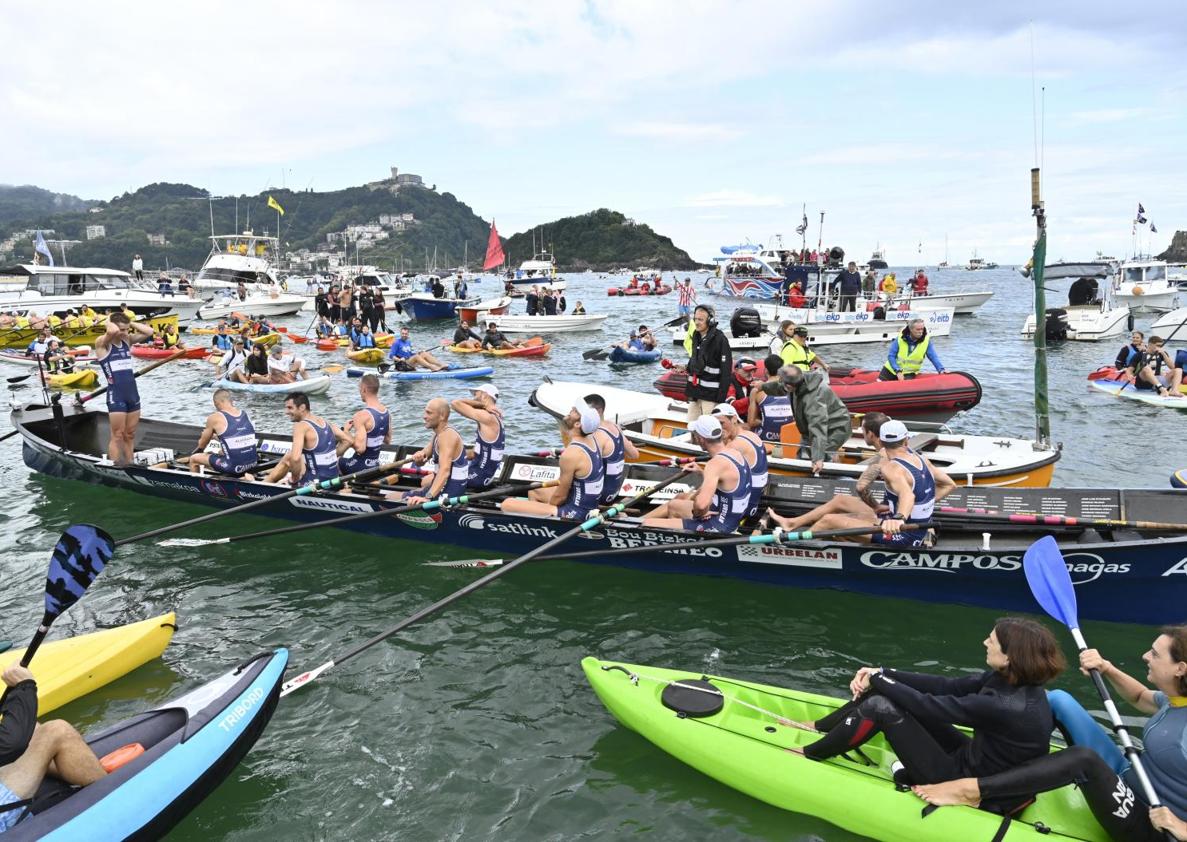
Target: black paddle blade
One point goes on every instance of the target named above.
(595, 354)
(79, 557)
(19, 378)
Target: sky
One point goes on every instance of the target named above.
(907, 124)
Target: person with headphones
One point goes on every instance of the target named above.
(710, 366)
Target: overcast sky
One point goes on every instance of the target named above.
(712, 121)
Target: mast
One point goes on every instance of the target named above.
(1042, 418)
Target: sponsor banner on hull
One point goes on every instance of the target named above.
(631, 487)
(328, 504)
(790, 556)
(1082, 567)
(505, 527)
(534, 473)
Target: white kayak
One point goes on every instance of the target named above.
(311, 386)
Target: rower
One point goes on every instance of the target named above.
(236, 436)
(487, 457)
(750, 447)
(311, 457)
(582, 473)
(465, 337)
(615, 449)
(451, 469)
(766, 414)
(367, 430)
(405, 358)
(904, 358)
(723, 499)
(495, 340)
(114, 355)
(795, 351)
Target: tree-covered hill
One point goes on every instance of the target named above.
(599, 240)
(28, 202)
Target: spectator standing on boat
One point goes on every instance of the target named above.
(241, 291)
(532, 300)
(333, 311)
(367, 431)
(919, 283)
(869, 284)
(346, 301)
(312, 456)
(709, 366)
(548, 301)
(378, 310)
(686, 297)
(561, 304)
(487, 456)
(366, 304)
(113, 352)
(907, 351)
(822, 418)
(582, 475)
(236, 435)
(138, 267)
(436, 287)
(849, 282)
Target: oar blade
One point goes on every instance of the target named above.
(79, 557)
(1047, 575)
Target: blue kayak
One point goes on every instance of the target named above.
(619, 354)
(451, 373)
(191, 744)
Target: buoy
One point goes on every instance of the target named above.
(1138, 291)
(1179, 479)
(124, 754)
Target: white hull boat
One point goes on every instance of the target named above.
(834, 328)
(1089, 322)
(257, 304)
(1143, 286)
(962, 303)
(56, 289)
(547, 324)
(1173, 322)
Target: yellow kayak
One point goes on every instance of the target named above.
(266, 339)
(366, 356)
(82, 379)
(69, 669)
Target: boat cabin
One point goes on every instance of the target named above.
(69, 280)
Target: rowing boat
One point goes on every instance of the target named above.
(658, 428)
(738, 733)
(21, 337)
(70, 668)
(1122, 575)
(310, 386)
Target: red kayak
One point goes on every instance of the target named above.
(927, 397)
(1105, 372)
(152, 352)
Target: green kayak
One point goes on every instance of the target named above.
(744, 745)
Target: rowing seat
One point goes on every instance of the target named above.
(923, 441)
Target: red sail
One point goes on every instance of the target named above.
(494, 250)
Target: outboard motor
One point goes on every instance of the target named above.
(745, 322)
(1056, 324)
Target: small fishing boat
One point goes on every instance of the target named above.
(317, 385)
(1171, 326)
(1142, 286)
(1090, 315)
(271, 303)
(490, 307)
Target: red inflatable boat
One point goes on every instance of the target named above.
(927, 397)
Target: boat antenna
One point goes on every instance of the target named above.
(211, 200)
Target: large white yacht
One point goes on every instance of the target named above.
(541, 270)
(55, 289)
(245, 258)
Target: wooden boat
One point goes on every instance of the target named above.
(18, 337)
(657, 427)
(1120, 574)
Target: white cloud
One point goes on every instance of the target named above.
(733, 199)
(678, 131)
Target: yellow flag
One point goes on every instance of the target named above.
(275, 205)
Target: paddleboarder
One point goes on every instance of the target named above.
(236, 437)
(487, 457)
(366, 431)
(406, 358)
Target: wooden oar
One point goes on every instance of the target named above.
(776, 536)
(426, 506)
(299, 491)
(1037, 519)
(102, 391)
(597, 519)
(1046, 573)
(78, 558)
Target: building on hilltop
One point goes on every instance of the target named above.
(96, 232)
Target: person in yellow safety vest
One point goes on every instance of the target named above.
(88, 316)
(170, 337)
(22, 321)
(73, 321)
(907, 351)
(795, 351)
(888, 284)
(692, 328)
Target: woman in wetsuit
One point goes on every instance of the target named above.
(1102, 774)
(1006, 706)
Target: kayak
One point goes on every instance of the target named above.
(451, 373)
(152, 352)
(82, 356)
(619, 354)
(1108, 372)
(366, 356)
(1126, 390)
(70, 668)
(734, 738)
(191, 744)
(312, 386)
(534, 347)
(82, 379)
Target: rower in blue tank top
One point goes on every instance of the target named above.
(458, 468)
(114, 354)
(774, 412)
(615, 449)
(750, 447)
(231, 427)
(487, 457)
(366, 432)
(447, 453)
(907, 475)
(312, 456)
(582, 472)
(585, 490)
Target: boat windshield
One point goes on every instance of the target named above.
(74, 283)
(1155, 273)
(232, 276)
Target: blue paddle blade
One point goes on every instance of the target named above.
(79, 557)
(1047, 575)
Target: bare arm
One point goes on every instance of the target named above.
(359, 442)
(448, 449)
(944, 483)
(752, 408)
(629, 450)
(704, 495)
(570, 461)
(208, 432)
(1129, 688)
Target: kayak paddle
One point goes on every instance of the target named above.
(1046, 573)
(78, 558)
(595, 354)
(601, 517)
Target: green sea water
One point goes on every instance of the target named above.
(478, 723)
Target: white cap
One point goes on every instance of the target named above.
(707, 427)
(893, 431)
(725, 409)
(489, 389)
(589, 417)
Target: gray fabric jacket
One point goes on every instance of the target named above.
(820, 415)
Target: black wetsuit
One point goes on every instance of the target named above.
(19, 719)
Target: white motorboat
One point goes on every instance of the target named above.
(234, 259)
(55, 289)
(962, 303)
(1143, 286)
(831, 328)
(274, 303)
(1089, 316)
(1171, 326)
(1176, 273)
(541, 270)
(547, 324)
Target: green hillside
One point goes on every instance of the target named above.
(599, 240)
(29, 202)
